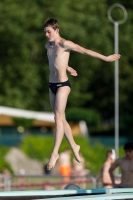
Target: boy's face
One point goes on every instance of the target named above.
(50, 33)
(129, 154)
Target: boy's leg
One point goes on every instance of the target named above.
(69, 136)
(59, 101)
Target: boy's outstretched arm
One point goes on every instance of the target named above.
(68, 45)
(72, 71)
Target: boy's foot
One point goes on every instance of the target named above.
(52, 161)
(76, 153)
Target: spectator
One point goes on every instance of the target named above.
(126, 165)
(79, 169)
(65, 164)
(105, 176)
(80, 172)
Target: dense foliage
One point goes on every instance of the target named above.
(23, 61)
(40, 148)
(3, 163)
(91, 117)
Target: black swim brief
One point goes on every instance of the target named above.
(54, 86)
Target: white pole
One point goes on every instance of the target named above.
(116, 76)
(116, 89)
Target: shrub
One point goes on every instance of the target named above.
(3, 163)
(26, 123)
(91, 117)
(40, 148)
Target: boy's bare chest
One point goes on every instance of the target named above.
(54, 52)
(127, 166)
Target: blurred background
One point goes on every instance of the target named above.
(24, 82)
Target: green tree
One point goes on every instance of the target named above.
(23, 60)
(21, 36)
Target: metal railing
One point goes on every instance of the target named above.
(45, 182)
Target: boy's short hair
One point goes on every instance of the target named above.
(128, 146)
(52, 22)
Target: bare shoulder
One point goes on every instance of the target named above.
(123, 159)
(67, 44)
(63, 42)
(116, 163)
(119, 161)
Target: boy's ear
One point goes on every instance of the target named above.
(57, 30)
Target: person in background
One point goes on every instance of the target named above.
(126, 166)
(80, 172)
(105, 176)
(65, 168)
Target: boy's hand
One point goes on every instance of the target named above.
(72, 71)
(112, 58)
